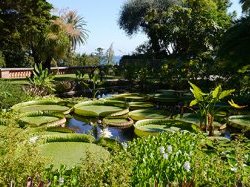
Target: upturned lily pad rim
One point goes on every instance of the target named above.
(18, 106)
(238, 124)
(108, 121)
(158, 122)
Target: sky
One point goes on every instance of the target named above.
(102, 23)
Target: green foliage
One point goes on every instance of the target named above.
(186, 159)
(92, 83)
(19, 158)
(187, 27)
(20, 21)
(11, 94)
(207, 103)
(41, 82)
(2, 60)
(165, 159)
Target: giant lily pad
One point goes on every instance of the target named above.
(101, 108)
(43, 105)
(165, 98)
(139, 105)
(129, 97)
(71, 153)
(240, 121)
(39, 119)
(155, 126)
(194, 119)
(148, 113)
(118, 122)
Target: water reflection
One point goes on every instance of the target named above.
(90, 126)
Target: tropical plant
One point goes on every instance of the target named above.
(75, 28)
(91, 83)
(207, 104)
(41, 81)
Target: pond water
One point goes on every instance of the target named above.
(90, 126)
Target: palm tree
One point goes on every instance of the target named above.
(75, 26)
(245, 5)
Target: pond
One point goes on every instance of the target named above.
(90, 126)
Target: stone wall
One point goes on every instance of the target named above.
(15, 73)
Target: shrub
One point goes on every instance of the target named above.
(186, 159)
(19, 157)
(11, 94)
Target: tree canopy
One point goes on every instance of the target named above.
(184, 28)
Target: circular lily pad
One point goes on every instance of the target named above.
(240, 121)
(101, 108)
(71, 153)
(129, 97)
(139, 105)
(148, 113)
(39, 119)
(155, 126)
(32, 106)
(118, 122)
(165, 98)
(194, 119)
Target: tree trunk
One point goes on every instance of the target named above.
(210, 120)
(47, 63)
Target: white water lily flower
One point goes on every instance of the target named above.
(234, 169)
(61, 181)
(162, 150)
(165, 156)
(124, 145)
(170, 149)
(33, 139)
(106, 133)
(187, 166)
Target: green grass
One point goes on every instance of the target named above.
(71, 153)
(41, 107)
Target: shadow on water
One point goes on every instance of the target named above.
(90, 126)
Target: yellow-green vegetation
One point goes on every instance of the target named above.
(155, 126)
(101, 108)
(148, 113)
(71, 153)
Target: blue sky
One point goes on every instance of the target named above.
(101, 17)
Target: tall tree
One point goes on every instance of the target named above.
(133, 17)
(245, 4)
(185, 28)
(20, 19)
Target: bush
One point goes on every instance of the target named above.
(11, 94)
(19, 157)
(186, 159)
